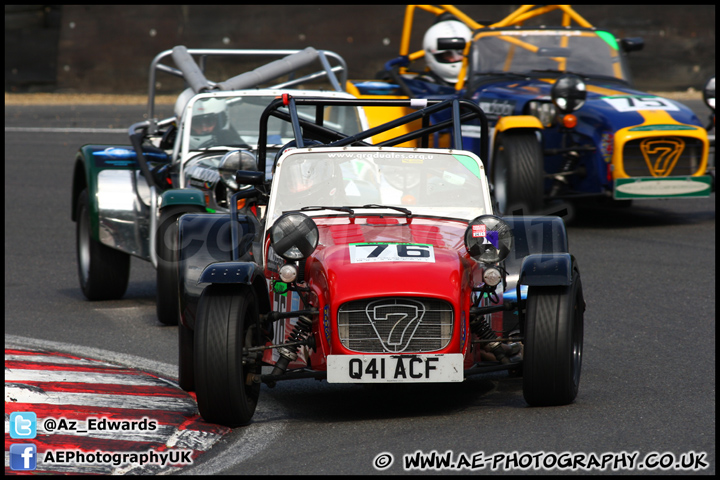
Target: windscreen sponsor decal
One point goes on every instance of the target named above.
(391, 252)
(406, 157)
(470, 164)
(609, 38)
(634, 103)
(537, 33)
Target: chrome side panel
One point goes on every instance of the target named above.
(122, 214)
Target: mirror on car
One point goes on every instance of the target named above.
(632, 44)
(246, 177)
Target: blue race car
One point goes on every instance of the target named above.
(565, 123)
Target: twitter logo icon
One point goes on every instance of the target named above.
(23, 425)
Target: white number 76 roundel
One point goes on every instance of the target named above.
(391, 252)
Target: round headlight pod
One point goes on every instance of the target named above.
(492, 276)
(488, 239)
(294, 236)
(568, 93)
(288, 273)
(234, 161)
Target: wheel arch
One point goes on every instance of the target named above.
(515, 122)
(80, 180)
(548, 269)
(182, 196)
(245, 273)
(204, 240)
(538, 241)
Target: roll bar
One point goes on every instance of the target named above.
(461, 111)
(188, 69)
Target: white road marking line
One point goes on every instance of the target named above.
(64, 130)
(19, 375)
(15, 394)
(56, 359)
(132, 361)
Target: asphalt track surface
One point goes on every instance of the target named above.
(648, 375)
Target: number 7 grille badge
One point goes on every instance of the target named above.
(402, 317)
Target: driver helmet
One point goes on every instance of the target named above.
(207, 119)
(312, 182)
(445, 63)
(306, 177)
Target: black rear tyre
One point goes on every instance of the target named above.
(553, 343)
(227, 321)
(103, 271)
(517, 172)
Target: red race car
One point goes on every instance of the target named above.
(373, 263)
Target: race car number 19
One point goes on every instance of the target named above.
(395, 368)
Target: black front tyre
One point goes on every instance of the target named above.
(517, 172)
(103, 271)
(553, 343)
(166, 248)
(227, 320)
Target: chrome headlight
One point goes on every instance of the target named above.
(288, 273)
(709, 93)
(544, 111)
(234, 161)
(488, 239)
(294, 236)
(568, 93)
(492, 276)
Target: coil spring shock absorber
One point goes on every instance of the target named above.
(301, 332)
(482, 329)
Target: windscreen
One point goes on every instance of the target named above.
(235, 122)
(441, 182)
(525, 51)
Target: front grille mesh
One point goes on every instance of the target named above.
(395, 325)
(660, 154)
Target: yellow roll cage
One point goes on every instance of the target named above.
(525, 12)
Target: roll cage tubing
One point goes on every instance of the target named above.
(338, 139)
(139, 130)
(203, 53)
(523, 13)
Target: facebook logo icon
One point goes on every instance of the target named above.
(23, 425)
(23, 456)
